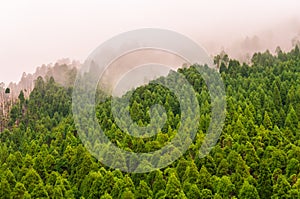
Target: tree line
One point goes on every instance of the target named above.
(256, 156)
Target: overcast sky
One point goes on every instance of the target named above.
(34, 32)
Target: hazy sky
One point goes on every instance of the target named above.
(35, 32)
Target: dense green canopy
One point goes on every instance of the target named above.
(257, 155)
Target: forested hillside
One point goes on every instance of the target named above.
(256, 156)
(63, 71)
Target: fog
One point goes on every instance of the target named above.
(33, 33)
(285, 34)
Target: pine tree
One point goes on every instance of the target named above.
(248, 191)
(19, 191)
(5, 189)
(173, 187)
(193, 192)
(267, 121)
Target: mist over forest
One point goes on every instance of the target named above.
(150, 124)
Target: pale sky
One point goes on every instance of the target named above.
(35, 32)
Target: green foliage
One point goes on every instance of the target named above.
(7, 90)
(257, 155)
(173, 187)
(248, 191)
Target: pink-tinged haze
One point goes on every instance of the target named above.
(35, 32)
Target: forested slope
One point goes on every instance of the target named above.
(257, 155)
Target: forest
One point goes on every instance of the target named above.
(256, 156)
